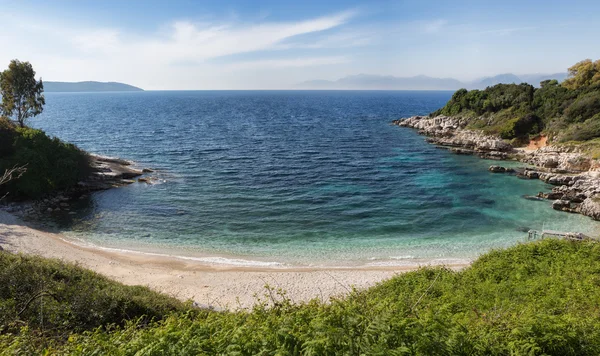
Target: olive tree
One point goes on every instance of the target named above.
(22, 95)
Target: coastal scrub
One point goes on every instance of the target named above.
(535, 298)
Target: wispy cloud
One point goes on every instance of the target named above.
(195, 42)
(77, 52)
(434, 26)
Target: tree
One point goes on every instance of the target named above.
(583, 74)
(22, 95)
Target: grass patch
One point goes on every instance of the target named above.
(539, 298)
(52, 300)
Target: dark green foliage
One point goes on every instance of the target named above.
(7, 137)
(539, 298)
(550, 100)
(586, 106)
(516, 112)
(51, 164)
(22, 95)
(59, 299)
(583, 131)
(490, 100)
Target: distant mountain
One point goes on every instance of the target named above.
(535, 79)
(422, 82)
(88, 87)
(483, 83)
(509, 78)
(366, 81)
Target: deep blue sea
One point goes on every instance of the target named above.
(304, 178)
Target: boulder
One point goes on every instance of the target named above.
(591, 207)
(561, 205)
(551, 195)
(499, 169)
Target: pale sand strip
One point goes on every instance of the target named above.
(221, 287)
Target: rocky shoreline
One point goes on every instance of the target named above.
(576, 176)
(106, 173)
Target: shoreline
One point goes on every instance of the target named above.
(574, 175)
(105, 173)
(212, 286)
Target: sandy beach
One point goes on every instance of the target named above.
(221, 287)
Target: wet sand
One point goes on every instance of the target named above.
(218, 286)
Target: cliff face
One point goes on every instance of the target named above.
(575, 175)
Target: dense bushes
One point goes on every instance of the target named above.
(60, 298)
(537, 298)
(490, 100)
(585, 107)
(514, 111)
(51, 164)
(582, 131)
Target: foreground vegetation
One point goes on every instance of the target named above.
(568, 111)
(531, 299)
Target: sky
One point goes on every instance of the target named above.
(187, 45)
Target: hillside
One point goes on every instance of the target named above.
(567, 111)
(422, 82)
(88, 86)
(535, 298)
(51, 164)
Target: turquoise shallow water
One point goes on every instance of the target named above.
(302, 178)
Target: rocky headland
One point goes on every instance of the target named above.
(575, 175)
(105, 173)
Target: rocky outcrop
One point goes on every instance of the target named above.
(558, 158)
(500, 169)
(575, 175)
(110, 172)
(106, 173)
(563, 205)
(450, 132)
(591, 207)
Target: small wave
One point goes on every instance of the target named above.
(214, 260)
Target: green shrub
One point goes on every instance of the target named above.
(584, 107)
(539, 298)
(51, 164)
(582, 131)
(59, 298)
(7, 136)
(514, 111)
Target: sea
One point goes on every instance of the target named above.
(291, 179)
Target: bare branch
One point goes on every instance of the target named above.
(14, 173)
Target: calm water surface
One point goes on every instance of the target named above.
(303, 178)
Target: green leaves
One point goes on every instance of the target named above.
(22, 95)
(51, 163)
(532, 299)
(567, 112)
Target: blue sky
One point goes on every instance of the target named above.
(277, 44)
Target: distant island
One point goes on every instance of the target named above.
(88, 86)
(423, 82)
